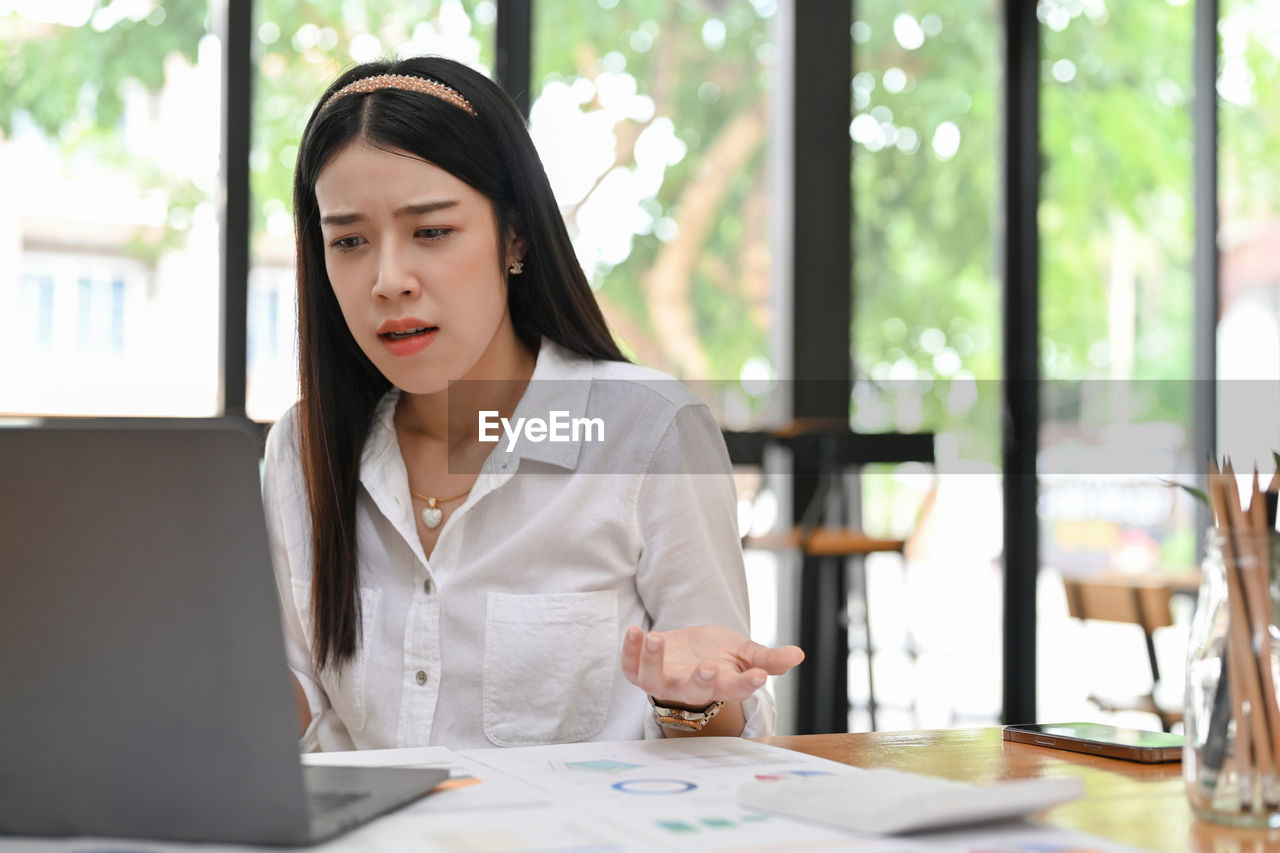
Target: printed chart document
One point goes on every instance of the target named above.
(629, 797)
(681, 794)
(677, 793)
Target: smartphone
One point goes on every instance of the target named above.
(1098, 739)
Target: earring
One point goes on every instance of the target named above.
(516, 267)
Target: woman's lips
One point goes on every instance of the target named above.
(407, 341)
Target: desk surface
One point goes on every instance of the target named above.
(1138, 804)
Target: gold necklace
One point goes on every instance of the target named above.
(431, 514)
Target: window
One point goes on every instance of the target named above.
(107, 208)
(1117, 337)
(73, 317)
(653, 123)
(925, 89)
(1249, 233)
(109, 234)
(299, 49)
(35, 313)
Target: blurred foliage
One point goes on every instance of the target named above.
(926, 294)
(1116, 143)
(695, 299)
(707, 65)
(67, 79)
(1249, 127)
(1117, 137)
(300, 47)
(69, 83)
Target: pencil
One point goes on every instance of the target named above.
(1254, 553)
(1215, 745)
(1272, 497)
(1244, 679)
(1257, 676)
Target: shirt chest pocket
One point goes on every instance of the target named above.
(549, 666)
(346, 687)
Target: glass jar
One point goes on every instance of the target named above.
(1231, 752)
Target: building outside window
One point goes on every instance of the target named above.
(109, 237)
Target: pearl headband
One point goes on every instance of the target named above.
(407, 83)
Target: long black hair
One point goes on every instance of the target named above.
(340, 388)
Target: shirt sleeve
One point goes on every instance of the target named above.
(691, 570)
(285, 504)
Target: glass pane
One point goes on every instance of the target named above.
(652, 119)
(299, 49)
(1116, 225)
(926, 92)
(109, 234)
(1249, 235)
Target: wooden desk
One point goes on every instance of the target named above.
(1142, 805)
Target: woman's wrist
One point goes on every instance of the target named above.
(684, 717)
(729, 722)
(681, 706)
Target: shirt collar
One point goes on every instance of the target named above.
(561, 382)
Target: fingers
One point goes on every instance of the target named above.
(773, 661)
(631, 654)
(737, 686)
(697, 682)
(654, 678)
(645, 663)
(694, 684)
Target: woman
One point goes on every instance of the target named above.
(439, 587)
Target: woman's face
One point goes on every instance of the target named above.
(413, 257)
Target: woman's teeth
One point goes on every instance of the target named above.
(409, 333)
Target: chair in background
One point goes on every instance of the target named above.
(1140, 602)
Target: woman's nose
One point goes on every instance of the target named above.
(395, 277)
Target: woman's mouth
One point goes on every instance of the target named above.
(408, 341)
(409, 333)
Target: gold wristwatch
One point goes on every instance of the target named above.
(685, 720)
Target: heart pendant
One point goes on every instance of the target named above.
(431, 517)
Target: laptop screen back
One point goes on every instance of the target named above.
(145, 691)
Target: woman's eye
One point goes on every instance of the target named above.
(432, 233)
(346, 244)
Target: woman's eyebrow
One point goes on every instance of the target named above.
(424, 207)
(399, 212)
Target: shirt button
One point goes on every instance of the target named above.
(426, 586)
(421, 678)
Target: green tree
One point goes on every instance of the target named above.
(1116, 147)
(694, 298)
(926, 99)
(68, 82)
(696, 301)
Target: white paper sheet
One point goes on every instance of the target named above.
(676, 794)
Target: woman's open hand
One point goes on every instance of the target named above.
(696, 666)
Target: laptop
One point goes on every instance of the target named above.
(143, 686)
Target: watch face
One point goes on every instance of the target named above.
(689, 721)
(672, 722)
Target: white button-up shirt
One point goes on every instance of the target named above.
(510, 634)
